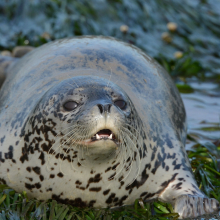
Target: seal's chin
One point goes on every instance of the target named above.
(101, 144)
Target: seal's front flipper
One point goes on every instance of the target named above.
(189, 206)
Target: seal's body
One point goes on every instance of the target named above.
(92, 121)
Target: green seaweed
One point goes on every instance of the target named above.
(196, 34)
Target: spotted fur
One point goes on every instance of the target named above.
(39, 156)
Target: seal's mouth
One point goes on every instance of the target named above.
(104, 134)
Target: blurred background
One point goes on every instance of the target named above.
(165, 29)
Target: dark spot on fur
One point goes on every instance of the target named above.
(112, 176)
(136, 183)
(143, 194)
(120, 202)
(165, 183)
(177, 186)
(45, 147)
(114, 167)
(110, 198)
(52, 176)
(169, 142)
(148, 195)
(41, 157)
(120, 179)
(36, 170)
(2, 139)
(78, 182)
(109, 168)
(31, 179)
(91, 203)
(106, 192)
(60, 175)
(153, 153)
(29, 186)
(38, 185)
(78, 202)
(95, 189)
(28, 169)
(177, 167)
(171, 156)
(9, 155)
(24, 152)
(94, 179)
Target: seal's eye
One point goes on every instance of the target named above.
(70, 105)
(121, 104)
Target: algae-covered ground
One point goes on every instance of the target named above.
(183, 35)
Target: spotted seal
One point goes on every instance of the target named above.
(92, 121)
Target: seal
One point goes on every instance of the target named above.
(92, 121)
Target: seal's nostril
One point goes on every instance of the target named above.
(100, 108)
(105, 108)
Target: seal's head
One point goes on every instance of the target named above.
(88, 122)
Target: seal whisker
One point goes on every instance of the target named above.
(78, 146)
(110, 76)
(72, 161)
(57, 141)
(137, 139)
(86, 135)
(64, 155)
(72, 85)
(72, 126)
(73, 81)
(80, 149)
(76, 126)
(127, 148)
(138, 163)
(60, 146)
(123, 155)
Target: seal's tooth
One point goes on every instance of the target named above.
(110, 137)
(97, 136)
